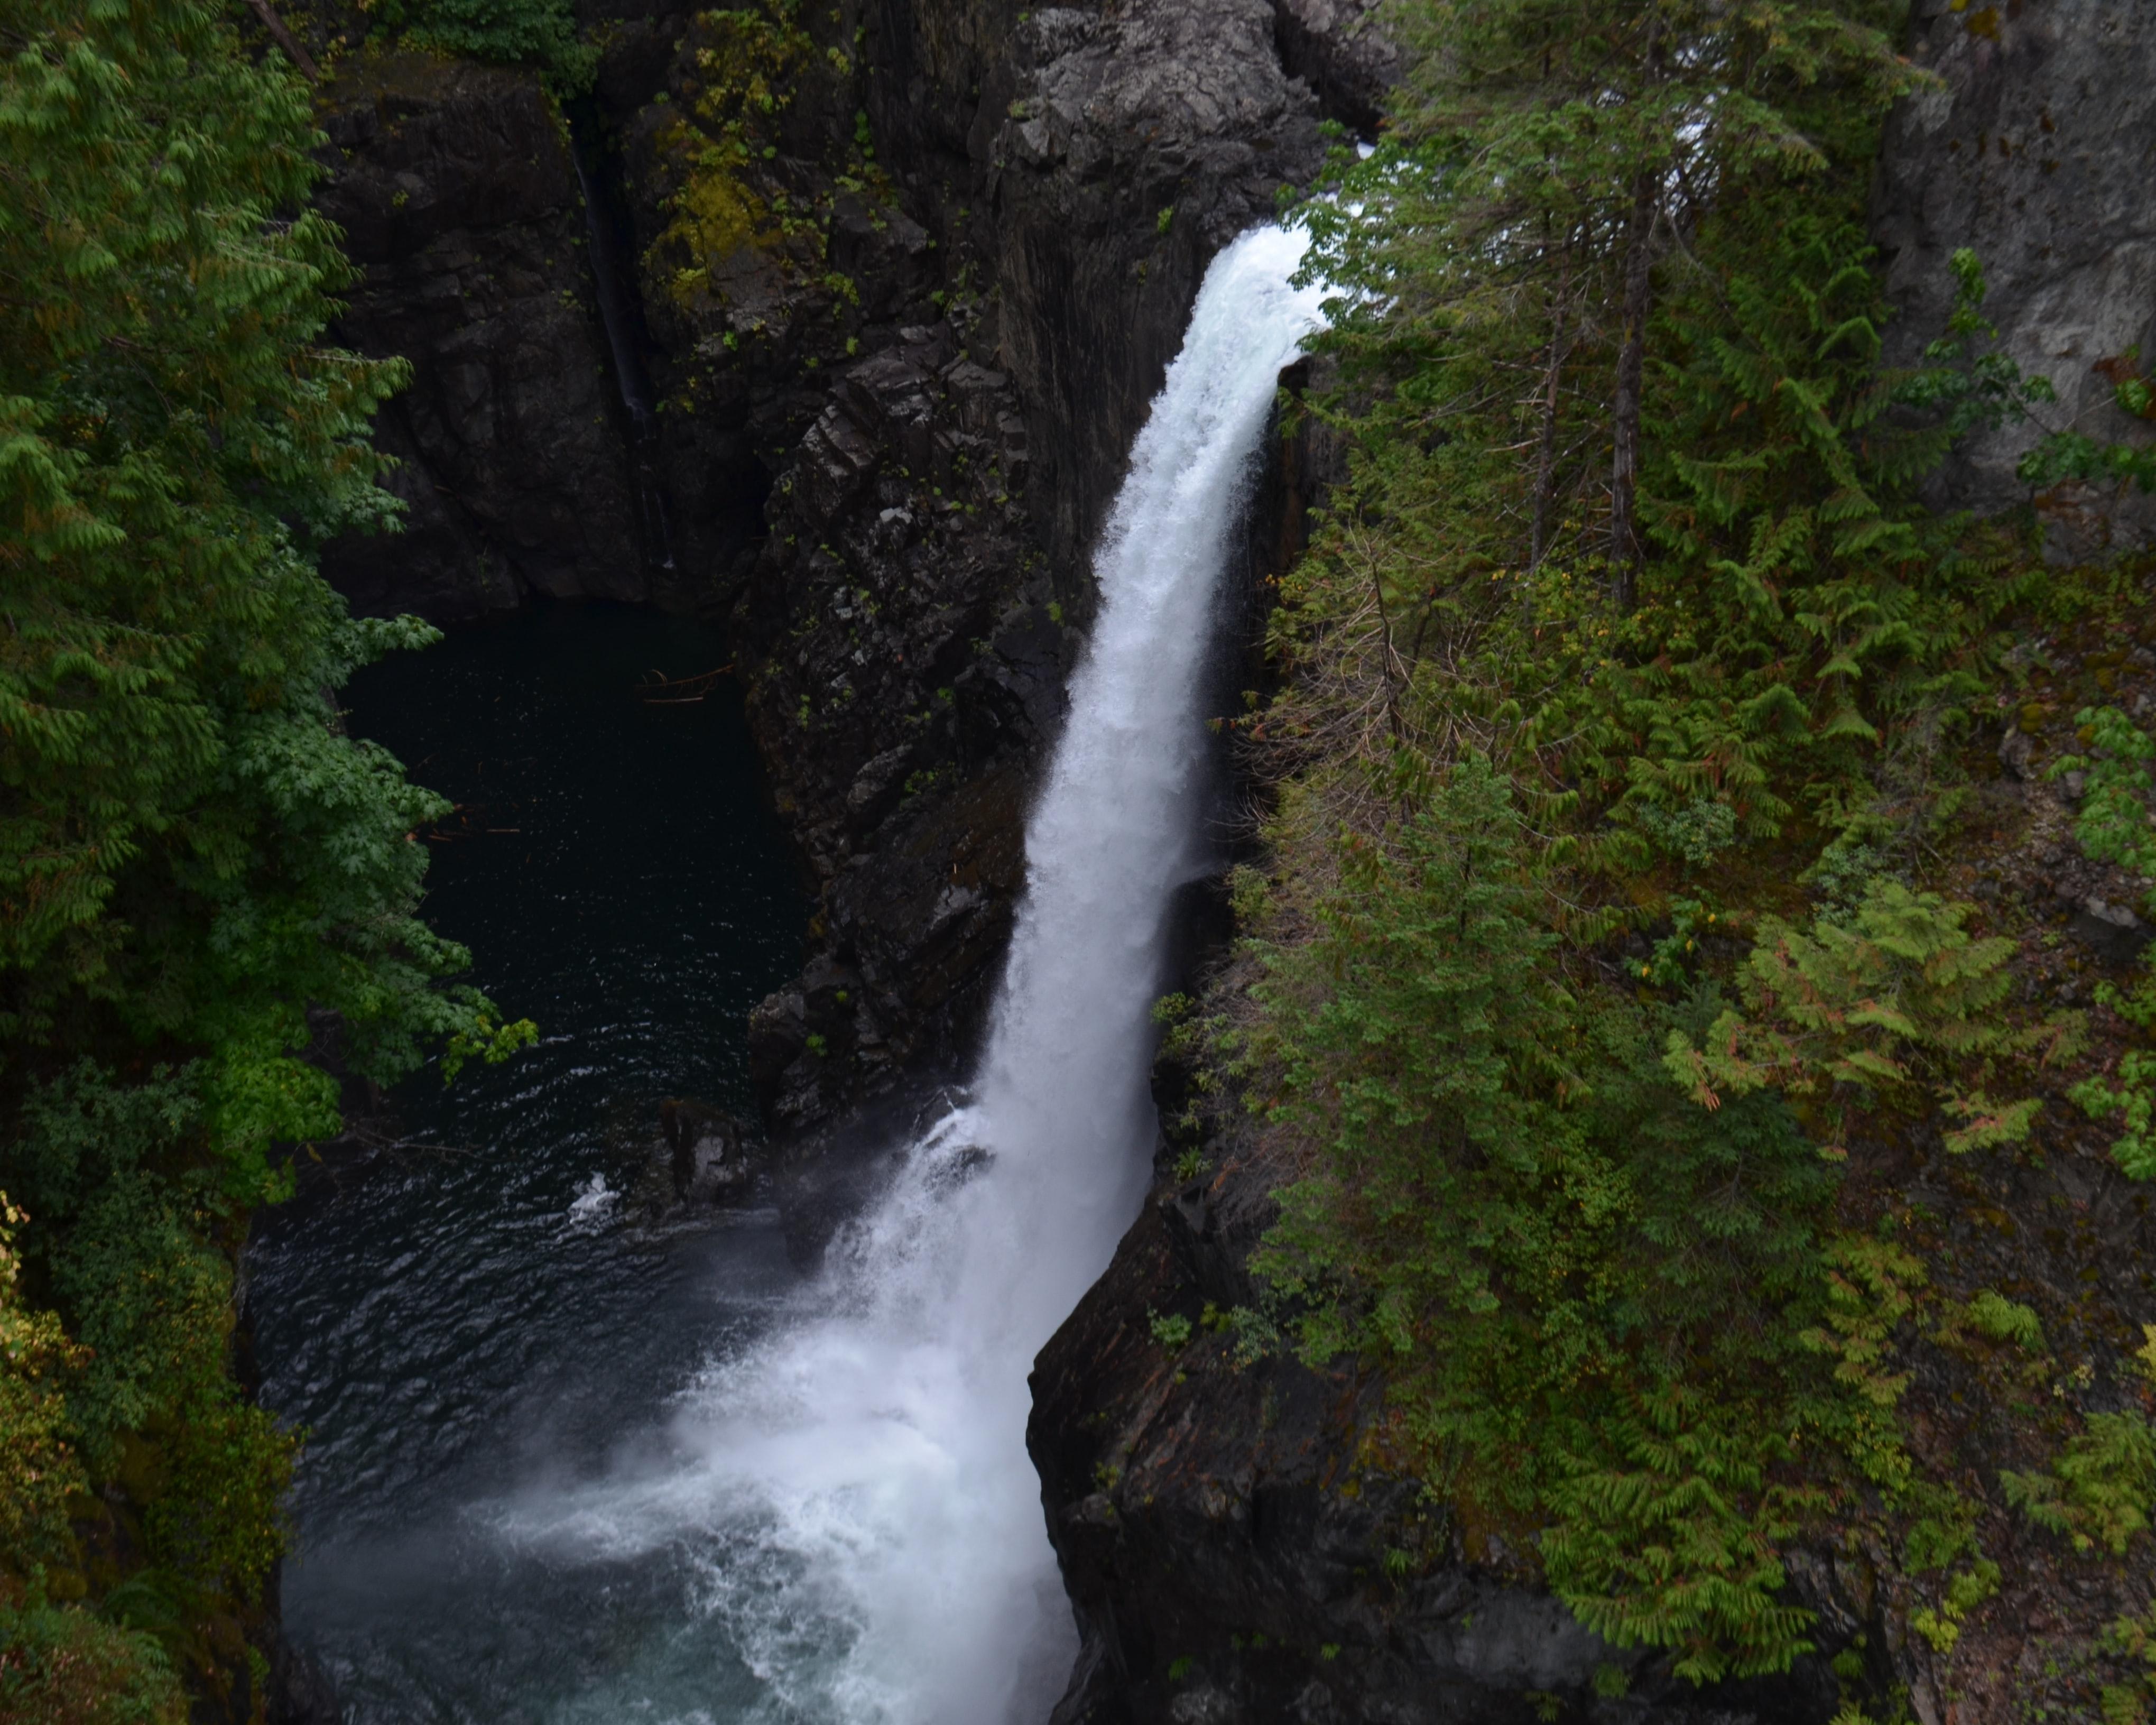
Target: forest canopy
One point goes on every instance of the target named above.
(1597, 972)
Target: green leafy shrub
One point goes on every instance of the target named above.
(2131, 1097)
(1630, 590)
(2005, 1320)
(2112, 823)
(1578, 1283)
(1940, 1625)
(39, 1467)
(2132, 1641)
(196, 853)
(124, 1190)
(2129, 1091)
(1897, 995)
(2100, 1491)
(62, 1665)
(1172, 1331)
(538, 33)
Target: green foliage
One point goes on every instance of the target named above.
(1578, 1206)
(1943, 1529)
(748, 62)
(200, 874)
(2100, 1491)
(1975, 387)
(1172, 1331)
(1940, 1625)
(38, 1467)
(538, 33)
(120, 1178)
(2075, 455)
(1698, 832)
(2132, 1641)
(62, 1665)
(2129, 1094)
(1966, 380)
(1577, 1283)
(1674, 1546)
(1800, 604)
(194, 853)
(1871, 1288)
(2005, 1320)
(1897, 995)
(2129, 1091)
(2112, 823)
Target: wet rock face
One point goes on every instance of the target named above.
(2035, 151)
(1128, 146)
(909, 670)
(460, 208)
(931, 297)
(1337, 47)
(1067, 174)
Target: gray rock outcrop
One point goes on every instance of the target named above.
(2037, 148)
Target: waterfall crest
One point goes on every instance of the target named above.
(855, 1491)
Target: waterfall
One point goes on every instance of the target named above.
(853, 1492)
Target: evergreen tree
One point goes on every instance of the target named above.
(1627, 617)
(193, 857)
(1498, 250)
(192, 854)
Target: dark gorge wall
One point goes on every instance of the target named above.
(461, 209)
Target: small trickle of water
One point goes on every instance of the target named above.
(856, 1489)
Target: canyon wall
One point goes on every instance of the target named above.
(896, 336)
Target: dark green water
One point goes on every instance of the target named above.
(501, 1304)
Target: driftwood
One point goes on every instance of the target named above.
(658, 690)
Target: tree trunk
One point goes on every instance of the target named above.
(1546, 444)
(274, 25)
(1625, 546)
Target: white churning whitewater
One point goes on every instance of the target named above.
(856, 1491)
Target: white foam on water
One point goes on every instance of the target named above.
(592, 1205)
(854, 1492)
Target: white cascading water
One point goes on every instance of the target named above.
(855, 1489)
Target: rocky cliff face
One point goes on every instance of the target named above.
(1013, 210)
(1237, 1549)
(899, 329)
(2036, 148)
(460, 203)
